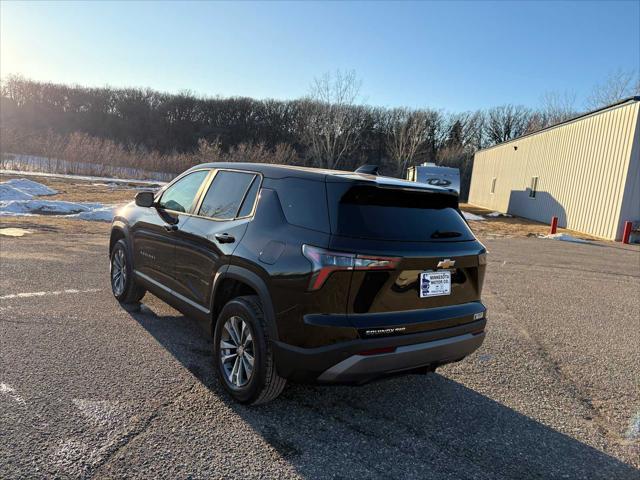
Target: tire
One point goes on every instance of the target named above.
(262, 384)
(124, 287)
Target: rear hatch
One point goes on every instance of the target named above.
(435, 275)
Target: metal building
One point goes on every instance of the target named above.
(585, 171)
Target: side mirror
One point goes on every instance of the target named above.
(145, 199)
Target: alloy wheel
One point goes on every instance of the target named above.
(118, 272)
(237, 352)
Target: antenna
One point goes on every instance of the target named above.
(368, 169)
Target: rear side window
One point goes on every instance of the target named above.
(179, 196)
(225, 194)
(304, 202)
(377, 213)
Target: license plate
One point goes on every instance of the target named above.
(435, 284)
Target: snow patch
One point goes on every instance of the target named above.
(498, 214)
(564, 237)
(14, 232)
(471, 216)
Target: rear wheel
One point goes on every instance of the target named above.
(123, 283)
(242, 351)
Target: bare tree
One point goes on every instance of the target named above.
(506, 122)
(332, 122)
(618, 85)
(557, 107)
(406, 132)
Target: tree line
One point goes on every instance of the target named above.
(330, 127)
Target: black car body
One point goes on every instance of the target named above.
(346, 273)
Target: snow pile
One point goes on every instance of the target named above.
(498, 214)
(7, 192)
(45, 207)
(471, 216)
(19, 197)
(83, 211)
(564, 237)
(29, 186)
(102, 214)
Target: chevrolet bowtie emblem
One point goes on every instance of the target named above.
(446, 263)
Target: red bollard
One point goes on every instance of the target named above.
(554, 225)
(627, 232)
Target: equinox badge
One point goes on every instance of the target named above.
(446, 263)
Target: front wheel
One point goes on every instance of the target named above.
(123, 284)
(243, 353)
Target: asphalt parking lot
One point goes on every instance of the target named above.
(90, 390)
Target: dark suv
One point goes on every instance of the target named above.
(306, 274)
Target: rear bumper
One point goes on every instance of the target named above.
(362, 367)
(343, 362)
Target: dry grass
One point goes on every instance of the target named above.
(50, 224)
(496, 227)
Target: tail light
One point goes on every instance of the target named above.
(324, 262)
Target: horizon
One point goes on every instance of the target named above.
(583, 44)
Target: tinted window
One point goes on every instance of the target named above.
(249, 199)
(304, 202)
(225, 194)
(181, 194)
(393, 214)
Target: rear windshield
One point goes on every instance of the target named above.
(381, 213)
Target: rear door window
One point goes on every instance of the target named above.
(381, 213)
(250, 198)
(225, 194)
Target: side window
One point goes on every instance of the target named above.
(493, 185)
(534, 187)
(250, 199)
(304, 203)
(180, 195)
(225, 194)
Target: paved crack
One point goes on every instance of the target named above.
(140, 428)
(564, 379)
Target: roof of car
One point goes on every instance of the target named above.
(276, 171)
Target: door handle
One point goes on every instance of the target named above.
(225, 238)
(170, 227)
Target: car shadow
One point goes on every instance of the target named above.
(425, 426)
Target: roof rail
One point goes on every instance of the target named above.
(368, 169)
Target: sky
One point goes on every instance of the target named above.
(454, 56)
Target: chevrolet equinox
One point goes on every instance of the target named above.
(306, 274)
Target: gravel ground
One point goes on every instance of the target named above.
(90, 390)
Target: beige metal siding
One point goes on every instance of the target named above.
(630, 210)
(582, 169)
